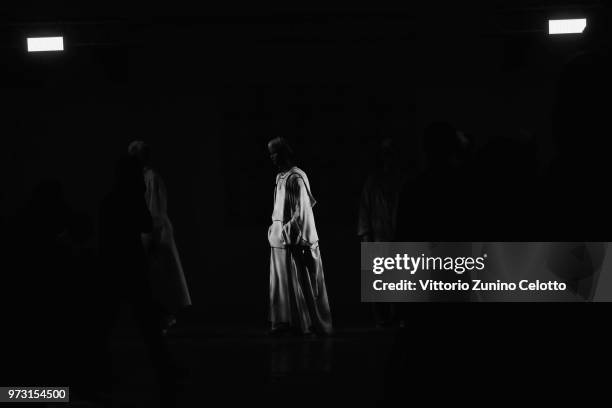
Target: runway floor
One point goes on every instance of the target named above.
(238, 368)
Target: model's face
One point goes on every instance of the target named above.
(276, 155)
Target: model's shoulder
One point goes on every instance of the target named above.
(297, 171)
(295, 179)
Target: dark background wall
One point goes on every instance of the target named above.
(208, 92)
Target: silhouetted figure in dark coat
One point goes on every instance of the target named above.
(378, 207)
(40, 286)
(504, 190)
(439, 206)
(123, 217)
(40, 266)
(577, 203)
(575, 200)
(436, 206)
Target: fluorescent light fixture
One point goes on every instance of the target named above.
(573, 26)
(45, 44)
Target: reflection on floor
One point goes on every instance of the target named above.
(250, 367)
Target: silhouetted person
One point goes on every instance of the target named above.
(504, 178)
(42, 284)
(124, 216)
(37, 282)
(439, 206)
(436, 205)
(298, 295)
(165, 268)
(378, 208)
(575, 202)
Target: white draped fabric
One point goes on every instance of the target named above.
(167, 276)
(298, 295)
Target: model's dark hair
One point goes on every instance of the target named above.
(282, 145)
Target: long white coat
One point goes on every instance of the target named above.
(298, 294)
(167, 276)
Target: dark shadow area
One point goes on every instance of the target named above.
(144, 283)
